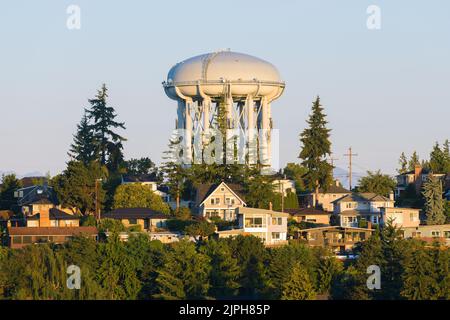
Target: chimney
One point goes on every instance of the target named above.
(391, 196)
(417, 171)
(337, 183)
(44, 216)
(369, 225)
(270, 205)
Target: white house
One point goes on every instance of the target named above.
(219, 200)
(350, 209)
(270, 226)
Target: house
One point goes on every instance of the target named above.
(52, 217)
(326, 198)
(148, 219)
(351, 209)
(401, 217)
(429, 233)
(339, 239)
(149, 180)
(19, 237)
(309, 215)
(416, 178)
(270, 226)
(219, 200)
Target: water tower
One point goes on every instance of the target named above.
(242, 85)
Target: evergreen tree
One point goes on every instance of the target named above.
(441, 259)
(117, 271)
(440, 158)
(298, 286)
(185, 275)
(413, 161)
(403, 162)
(316, 149)
(224, 276)
(419, 280)
(434, 203)
(108, 144)
(446, 151)
(83, 147)
(10, 183)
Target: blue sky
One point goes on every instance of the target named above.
(384, 91)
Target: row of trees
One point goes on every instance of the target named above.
(439, 161)
(222, 269)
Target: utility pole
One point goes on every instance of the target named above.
(350, 155)
(97, 207)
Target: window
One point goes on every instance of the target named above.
(17, 240)
(416, 234)
(229, 201)
(447, 234)
(311, 220)
(277, 221)
(254, 222)
(27, 239)
(435, 234)
(132, 221)
(215, 200)
(276, 235)
(412, 216)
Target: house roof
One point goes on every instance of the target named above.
(55, 214)
(247, 210)
(358, 197)
(39, 194)
(306, 211)
(205, 190)
(51, 231)
(135, 213)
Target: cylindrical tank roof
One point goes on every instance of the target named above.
(247, 75)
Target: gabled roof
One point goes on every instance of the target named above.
(306, 211)
(55, 214)
(51, 231)
(135, 213)
(40, 194)
(205, 190)
(360, 197)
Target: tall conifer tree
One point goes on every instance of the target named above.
(316, 149)
(108, 144)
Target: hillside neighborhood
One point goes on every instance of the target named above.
(210, 212)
